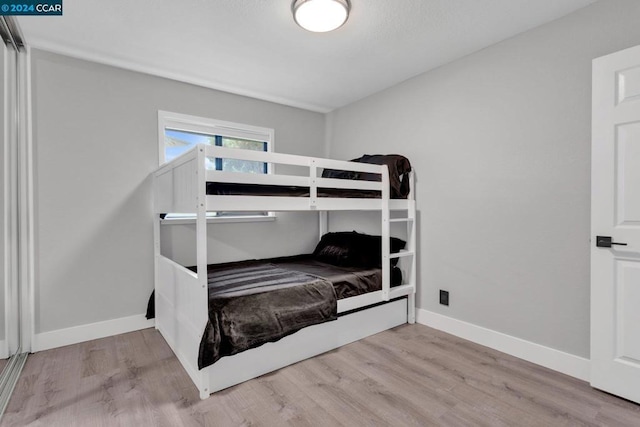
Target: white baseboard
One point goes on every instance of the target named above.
(4, 349)
(557, 360)
(92, 331)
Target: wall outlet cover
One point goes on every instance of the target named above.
(444, 297)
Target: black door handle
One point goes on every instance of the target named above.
(607, 242)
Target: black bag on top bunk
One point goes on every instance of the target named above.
(399, 168)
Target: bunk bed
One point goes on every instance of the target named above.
(182, 295)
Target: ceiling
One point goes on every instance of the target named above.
(254, 48)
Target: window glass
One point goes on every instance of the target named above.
(233, 165)
(177, 142)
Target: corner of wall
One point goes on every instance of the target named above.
(328, 133)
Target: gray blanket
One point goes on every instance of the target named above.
(255, 303)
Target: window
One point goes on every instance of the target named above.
(179, 132)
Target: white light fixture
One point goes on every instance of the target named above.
(320, 16)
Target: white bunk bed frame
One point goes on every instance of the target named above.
(181, 300)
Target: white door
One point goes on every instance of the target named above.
(615, 214)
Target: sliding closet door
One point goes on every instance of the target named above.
(9, 337)
(8, 207)
(13, 152)
(4, 271)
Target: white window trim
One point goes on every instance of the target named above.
(189, 123)
(221, 220)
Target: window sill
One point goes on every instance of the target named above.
(219, 220)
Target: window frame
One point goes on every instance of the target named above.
(215, 128)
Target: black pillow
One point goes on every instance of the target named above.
(368, 250)
(333, 254)
(335, 249)
(352, 249)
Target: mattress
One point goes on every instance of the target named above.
(234, 189)
(347, 281)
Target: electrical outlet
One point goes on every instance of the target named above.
(444, 297)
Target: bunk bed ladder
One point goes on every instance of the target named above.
(409, 252)
(386, 235)
(411, 248)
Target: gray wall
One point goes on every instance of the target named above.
(289, 234)
(501, 144)
(95, 141)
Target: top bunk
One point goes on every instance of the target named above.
(294, 183)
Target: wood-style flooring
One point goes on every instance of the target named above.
(410, 375)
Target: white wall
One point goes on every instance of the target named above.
(501, 143)
(95, 142)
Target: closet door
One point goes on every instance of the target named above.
(8, 207)
(4, 206)
(13, 227)
(615, 225)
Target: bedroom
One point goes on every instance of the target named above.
(498, 132)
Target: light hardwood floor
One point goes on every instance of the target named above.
(410, 375)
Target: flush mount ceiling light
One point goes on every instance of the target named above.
(320, 16)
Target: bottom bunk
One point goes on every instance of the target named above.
(243, 319)
(174, 321)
